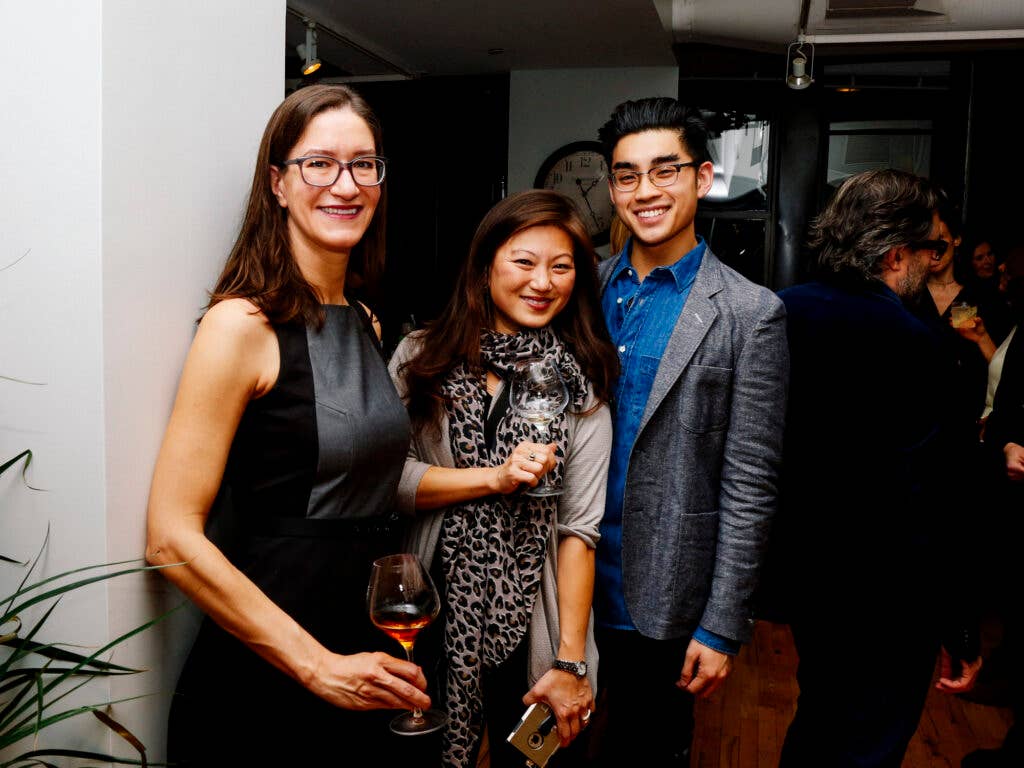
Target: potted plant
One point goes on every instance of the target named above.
(36, 676)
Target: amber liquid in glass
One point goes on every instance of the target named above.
(402, 622)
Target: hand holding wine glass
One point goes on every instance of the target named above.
(402, 600)
(539, 394)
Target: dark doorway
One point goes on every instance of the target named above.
(446, 140)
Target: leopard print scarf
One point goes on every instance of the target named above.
(493, 548)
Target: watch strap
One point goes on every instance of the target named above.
(578, 668)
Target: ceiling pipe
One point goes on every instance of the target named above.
(910, 37)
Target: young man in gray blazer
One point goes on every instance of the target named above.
(698, 429)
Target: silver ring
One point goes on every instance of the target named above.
(533, 456)
(586, 717)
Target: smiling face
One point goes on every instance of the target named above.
(327, 220)
(531, 278)
(983, 260)
(660, 218)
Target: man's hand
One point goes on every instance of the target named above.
(704, 670)
(966, 675)
(1014, 461)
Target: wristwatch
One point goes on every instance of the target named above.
(578, 668)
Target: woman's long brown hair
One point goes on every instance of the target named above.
(454, 337)
(261, 267)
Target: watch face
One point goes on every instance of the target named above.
(579, 172)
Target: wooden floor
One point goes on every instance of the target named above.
(744, 724)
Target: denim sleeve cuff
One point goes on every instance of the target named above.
(716, 642)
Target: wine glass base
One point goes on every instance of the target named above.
(544, 490)
(407, 724)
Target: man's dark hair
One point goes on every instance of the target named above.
(651, 115)
(870, 213)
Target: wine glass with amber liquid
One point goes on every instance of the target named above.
(402, 600)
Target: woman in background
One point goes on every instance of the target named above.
(517, 571)
(285, 416)
(947, 286)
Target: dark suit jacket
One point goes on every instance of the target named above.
(1006, 422)
(867, 480)
(701, 485)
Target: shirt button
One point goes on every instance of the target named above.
(622, 348)
(629, 272)
(618, 300)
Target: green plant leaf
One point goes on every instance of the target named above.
(8, 266)
(32, 567)
(26, 455)
(24, 730)
(76, 753)
(19, 642)
(53, 651)
(64, 588)
(32, 692)
(48, 688)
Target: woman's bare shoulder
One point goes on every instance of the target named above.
(236, 334)
(235, 316)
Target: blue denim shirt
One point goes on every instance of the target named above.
(641, 317)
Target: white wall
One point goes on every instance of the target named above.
(50, 311)
(549, 108)
(187, 90)
(125, 162)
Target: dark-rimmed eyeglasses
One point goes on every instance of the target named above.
(665, 175)
(938, 247)
(323, 171)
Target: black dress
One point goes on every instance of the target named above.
(305, 507)
(966, 391)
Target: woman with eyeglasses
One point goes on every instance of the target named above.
(274, 486)
(517, 571)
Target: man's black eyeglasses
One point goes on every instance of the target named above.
(665, 175)
(938, 247)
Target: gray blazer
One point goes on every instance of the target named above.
(702, 480)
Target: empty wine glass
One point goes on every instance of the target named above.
(539, 394)
(402, 600)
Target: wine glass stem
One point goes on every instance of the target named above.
(543, 438)
(417, 713)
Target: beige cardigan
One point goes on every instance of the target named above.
(580, 510)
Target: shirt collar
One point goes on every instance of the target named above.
(681, 271)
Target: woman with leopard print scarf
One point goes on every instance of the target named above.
(516, 571)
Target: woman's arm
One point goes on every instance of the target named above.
(575, 594)
(974, 330)
(233, 359)
(579, 514)
(444, 486)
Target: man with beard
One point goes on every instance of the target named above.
(866, 483)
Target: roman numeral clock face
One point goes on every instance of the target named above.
(579, 172)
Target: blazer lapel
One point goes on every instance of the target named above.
(694, 322)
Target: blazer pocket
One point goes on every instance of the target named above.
(705, 398)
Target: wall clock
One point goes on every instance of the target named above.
(578, 171)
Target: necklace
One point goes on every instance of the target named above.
(943, 284)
